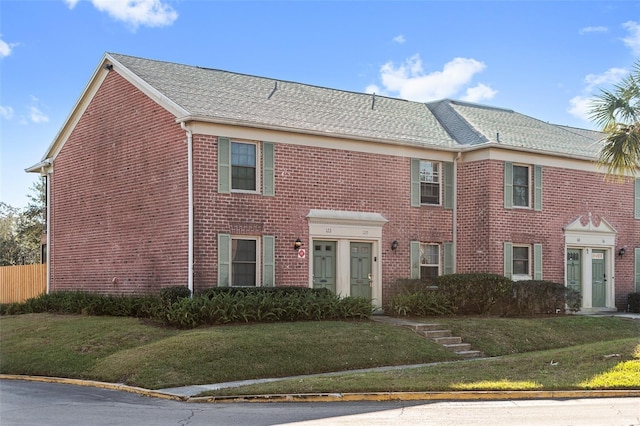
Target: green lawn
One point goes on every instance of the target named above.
(566, 352)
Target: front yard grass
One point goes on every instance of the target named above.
(565, 352)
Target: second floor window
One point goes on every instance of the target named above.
(521, 186)
(243, 166)
(429, 182)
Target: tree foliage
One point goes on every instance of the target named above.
(617, 112)
(21, 230)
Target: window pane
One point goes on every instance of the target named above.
(520, 186)
(243, 166)
(521, 260)
(429, 182)
(428, 272)
(430, 255)
(243, 262)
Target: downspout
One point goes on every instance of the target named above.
(455, 212)
(190, 192)
(47, 177)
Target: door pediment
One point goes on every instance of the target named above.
(578, 233)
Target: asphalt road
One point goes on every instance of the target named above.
(38, 403)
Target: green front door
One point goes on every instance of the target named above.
(598, 279)
(361, 270)
(574, 270)
(324, 265)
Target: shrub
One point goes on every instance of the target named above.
(542, 297)
(78, 302)
(170, 295)
(633, 302)
(474, 293)
(417, 298)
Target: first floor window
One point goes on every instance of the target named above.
(244, 262)
(429, 182)
(521, 260)
(429, 261)
(243, 166)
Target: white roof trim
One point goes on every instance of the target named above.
(346, 217)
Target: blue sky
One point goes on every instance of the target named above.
(543, 59)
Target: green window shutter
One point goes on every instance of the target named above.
(268, 169)
(537, 261)
(637, 269)
(508, 260)
(224, 260)
(224, 165)
(537, 185)
(449, 191)
(637, 204)
(415, 259)
(268, 261)
(448, 258)
(508, 185)
(415, 182)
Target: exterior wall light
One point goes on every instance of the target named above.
(622, 251)
(394, 245)
(297, 244)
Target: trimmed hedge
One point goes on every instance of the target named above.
(480, 294)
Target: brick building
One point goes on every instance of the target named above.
(166, 174)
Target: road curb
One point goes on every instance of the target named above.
(344, 397)
(95, 384)
(424, 396)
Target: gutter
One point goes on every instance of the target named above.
(190, 208)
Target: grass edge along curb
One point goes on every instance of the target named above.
(343, 397)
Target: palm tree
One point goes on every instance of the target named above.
(617, 112)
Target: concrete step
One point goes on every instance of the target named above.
(432, 334)
(458, 347)
(449, 340)
(469, 354)
(424, 327)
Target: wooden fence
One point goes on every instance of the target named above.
(19, 283)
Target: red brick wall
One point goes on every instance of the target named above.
(119, 218)
(119, 197)
(484, 224)
(311, 178)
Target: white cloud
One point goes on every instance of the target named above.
(587, 30)
(479, 93)
(5, 48)
(71, 3)
(6, 112)
(579, 106)
(399, 39)
(610, 76)
(150, 13)
(633, 39)
(409, 80)
(37, 116)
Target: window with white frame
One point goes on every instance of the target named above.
(244, 169)
(521, 186)
(429, 182)
(244, 262)
(521, 261)
(429, 261)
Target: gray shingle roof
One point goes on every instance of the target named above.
(216, 94)
(516, 130)
(212, 94)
